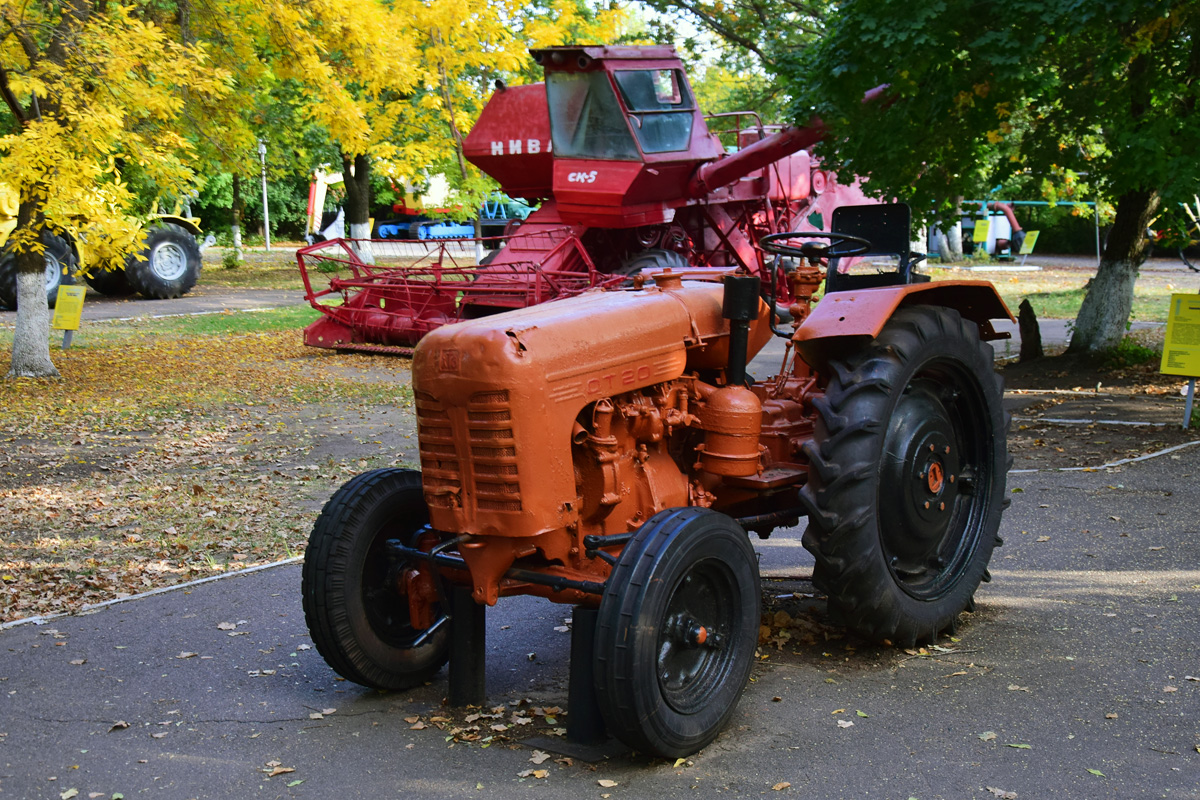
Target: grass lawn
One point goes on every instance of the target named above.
(1058, 293)
(276, 269)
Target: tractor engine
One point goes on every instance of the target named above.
(547, 432)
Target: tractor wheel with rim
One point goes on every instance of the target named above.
(653, 260)
(358, 618)
(906, 483)
(169, 264)
(111, 282)
(676, 632)
(60, 270)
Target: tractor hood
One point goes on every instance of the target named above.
(497, 398)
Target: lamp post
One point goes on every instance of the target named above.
(262, 156)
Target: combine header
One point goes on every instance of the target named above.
(631, 176)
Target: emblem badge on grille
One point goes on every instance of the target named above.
(449, 361)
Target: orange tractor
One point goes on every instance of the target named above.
(609, 451)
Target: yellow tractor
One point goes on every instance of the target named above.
(168, 265)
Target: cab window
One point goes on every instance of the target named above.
(586, 120)
(660, 108)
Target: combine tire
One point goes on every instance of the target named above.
(358, 621)
(169, 264)
(654, 260)
(110, 282)
(906, 484)
(676, 632)
(60, 271)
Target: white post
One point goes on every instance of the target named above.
(262, 155)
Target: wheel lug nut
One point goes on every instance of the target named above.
(947, 450)
(952, 479)
(941, 506)
(932, 449)
(927, 504)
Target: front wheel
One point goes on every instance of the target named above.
(676, 632)
(356, 613)
(906, 479)
(168, 265)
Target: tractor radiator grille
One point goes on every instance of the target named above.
(493, 452)
(440, 470)
(490, 473)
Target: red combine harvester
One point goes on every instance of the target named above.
(630, 177)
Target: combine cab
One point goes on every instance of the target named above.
(631, 176)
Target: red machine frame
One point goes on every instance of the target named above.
(613, 201)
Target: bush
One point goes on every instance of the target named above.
(1129, 353)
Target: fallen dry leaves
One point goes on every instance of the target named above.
(148, 466)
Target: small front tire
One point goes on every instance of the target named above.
(358, 620)
(676, 632)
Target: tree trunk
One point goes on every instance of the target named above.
(239, 210)
(356, 178)
(457, 136)
(1104, 316)
(31, 339)
(949, 239)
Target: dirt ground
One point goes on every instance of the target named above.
(1068, 412)
(104, 495)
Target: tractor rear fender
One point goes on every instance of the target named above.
(189, 224)
(843, 320)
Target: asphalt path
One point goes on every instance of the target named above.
(203, 300)
(1081, 656)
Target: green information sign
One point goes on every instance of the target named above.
(1181, 350)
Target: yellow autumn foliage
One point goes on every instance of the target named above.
(94, 89)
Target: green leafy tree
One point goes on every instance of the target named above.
(1047, 89)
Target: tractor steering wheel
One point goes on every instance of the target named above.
(841, 245)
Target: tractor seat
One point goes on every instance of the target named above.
(888, 227)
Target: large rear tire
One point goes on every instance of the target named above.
(169, 264)
(358, 620)
(111, 282)
(676, 632)
(907, 473)
(60, 270)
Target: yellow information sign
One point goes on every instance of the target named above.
(981, 230)
(1181, 350)
(1030, 241)
(68, 308)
